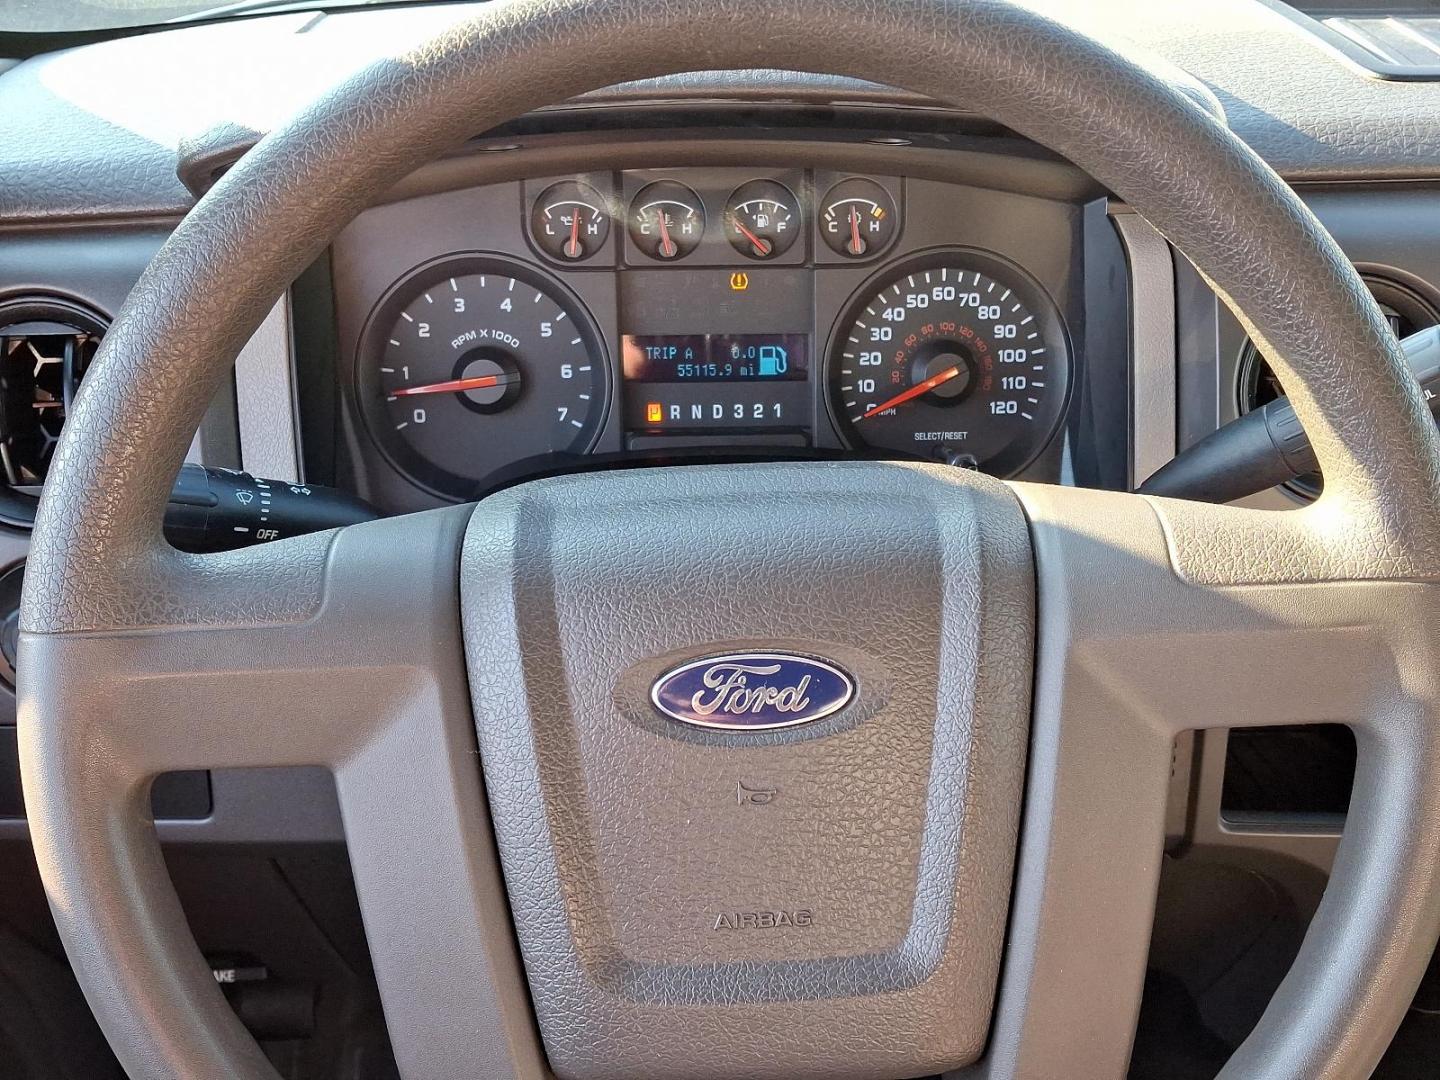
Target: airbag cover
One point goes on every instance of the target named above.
(822, 899)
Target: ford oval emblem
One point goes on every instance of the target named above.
(752, 691)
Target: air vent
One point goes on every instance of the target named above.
(45, 346)
(1409, 312)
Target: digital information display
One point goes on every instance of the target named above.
(716, 357)
(678, 383)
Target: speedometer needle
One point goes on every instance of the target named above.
(453, 386)
(915, 391)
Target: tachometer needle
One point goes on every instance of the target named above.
(915, 391)
(455, 386)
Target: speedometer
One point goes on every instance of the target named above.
(955, 355)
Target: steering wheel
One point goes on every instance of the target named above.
(891, 911)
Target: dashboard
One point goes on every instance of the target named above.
(635, 315)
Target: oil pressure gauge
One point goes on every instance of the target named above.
(570, 221)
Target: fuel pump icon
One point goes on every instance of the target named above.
(773, 361)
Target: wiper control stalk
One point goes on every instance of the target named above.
(1268, 446)
(221, 509)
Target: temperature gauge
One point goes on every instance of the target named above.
(858, 218)
(762, 219)
(667, 220)
(570, 221)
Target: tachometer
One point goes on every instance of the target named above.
(474, 363)
(955, 355)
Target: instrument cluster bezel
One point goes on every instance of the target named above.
(1046, 222)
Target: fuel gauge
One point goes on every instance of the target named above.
(570, 221)
(762, 219)
(667, 220)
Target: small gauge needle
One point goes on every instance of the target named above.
(857, 245)
(454, 386)
(667, 246)
(914, 391)
(572, 247)
(759, 243)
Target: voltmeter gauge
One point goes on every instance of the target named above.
(857, 218)
(570, 221)
(667, 220)
(762, 219)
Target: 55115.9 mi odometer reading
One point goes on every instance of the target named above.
(954, 355)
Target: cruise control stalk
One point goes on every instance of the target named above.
(220, 509)
(1268, 446)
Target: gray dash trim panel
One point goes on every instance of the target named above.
(265, 399)
(1152, 344)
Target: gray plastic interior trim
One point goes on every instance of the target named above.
(1301, 102)
(265, 400)
(1071, 984)
(1152, 344)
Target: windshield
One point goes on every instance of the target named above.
(59, 16)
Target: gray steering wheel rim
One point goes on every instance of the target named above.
(98, 562)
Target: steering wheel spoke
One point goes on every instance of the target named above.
(1264, 637)
(1130, 653)
(227, 685)
(369, 681)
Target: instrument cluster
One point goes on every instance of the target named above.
(709, 312)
